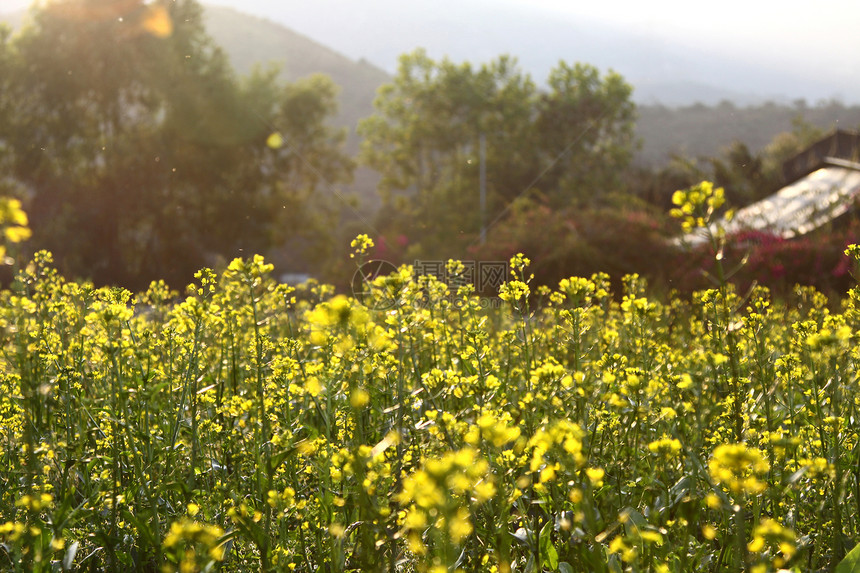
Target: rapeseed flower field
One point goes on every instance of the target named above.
(255, 426)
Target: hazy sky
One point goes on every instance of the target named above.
(804, 32)
(815, 43)
(822, 34)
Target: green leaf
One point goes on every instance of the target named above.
(142, 526)
(530, 565)
(69, 557)
(633, 521)
(548, 553)
(565, 567)
(549, 556)
(851, 563)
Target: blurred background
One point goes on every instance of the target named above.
(149, 139)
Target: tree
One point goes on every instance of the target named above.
(142, 154)
(8, 185)
(424, 140)
(655, 185)
(742, 174)
(748, 177)
(567, 142)
(585, 124)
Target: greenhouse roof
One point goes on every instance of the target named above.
(798, 208)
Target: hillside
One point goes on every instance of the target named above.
(249, 41)
(675, 53)
(695, 130)
(702, 131)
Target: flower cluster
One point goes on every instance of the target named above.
(252, 425)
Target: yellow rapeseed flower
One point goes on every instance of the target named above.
(738, 467)
(665, 447)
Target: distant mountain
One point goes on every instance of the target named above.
(661, 68)
(250, 40)
(686, 117)
(680, 116)
(682, 93)
(699, 131)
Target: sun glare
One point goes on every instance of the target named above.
(141, 18)
(157, 21)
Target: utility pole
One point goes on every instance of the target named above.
(483, 186)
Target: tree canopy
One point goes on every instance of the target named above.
(567, 142)
(141, 155)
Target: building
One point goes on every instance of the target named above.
(824, 183)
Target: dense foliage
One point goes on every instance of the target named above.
(702, 131)
(251, 425)
(254, 426)
(569, 143)
(140, 155)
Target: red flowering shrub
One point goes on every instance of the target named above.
(581, 242)
(816, 259)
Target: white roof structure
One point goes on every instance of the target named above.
(798, 208)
